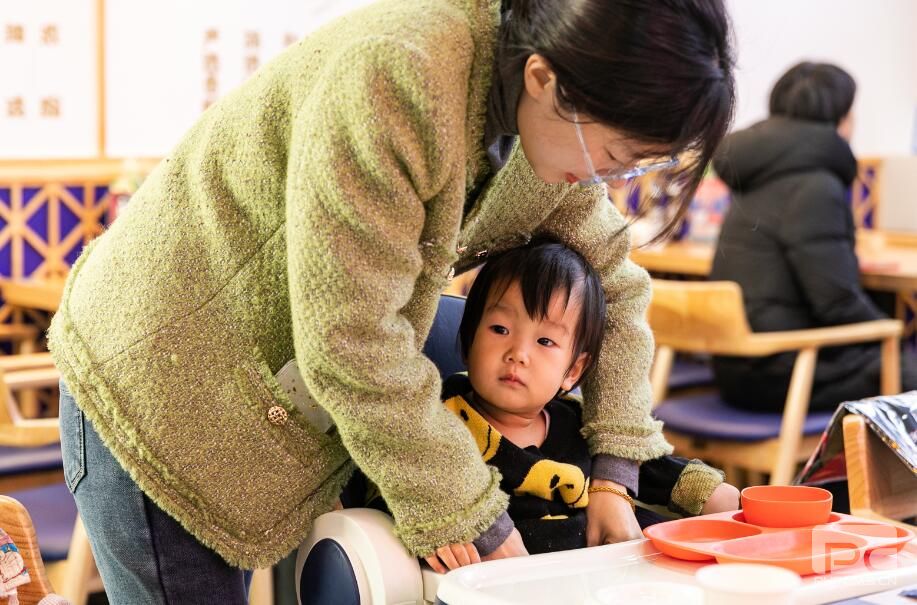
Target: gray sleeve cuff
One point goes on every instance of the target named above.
(620, 470)
(495, 535)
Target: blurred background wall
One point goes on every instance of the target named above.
(160, 63)
(874, 41)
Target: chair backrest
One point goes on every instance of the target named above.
(16, 431)
(700, 317)
(442, 346)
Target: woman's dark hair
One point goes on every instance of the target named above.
(542, 268)
(819, 92)
(659, 71)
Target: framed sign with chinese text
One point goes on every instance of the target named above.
(49, 69)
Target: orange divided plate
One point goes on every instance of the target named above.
(690, 539)
(805, 551)
(726, 537)
(883, 536)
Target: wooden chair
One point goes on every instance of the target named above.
(709, 317)
(23, 338)
(682, 375)
(881, 486)
(28, 447)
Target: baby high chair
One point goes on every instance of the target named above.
(352, 556)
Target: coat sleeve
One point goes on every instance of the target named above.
(817, 234)
(372, 150)
(616, 399)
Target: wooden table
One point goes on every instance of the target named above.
(44, 295)
(888, 261)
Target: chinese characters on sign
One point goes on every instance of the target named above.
(211, 67)
(44, 105)
(49, 67)
(252, 45)
(252, 48)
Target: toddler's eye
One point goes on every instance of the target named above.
(547, 342)
(498, 329)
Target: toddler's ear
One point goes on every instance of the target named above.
(575, 371)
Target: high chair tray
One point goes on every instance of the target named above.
(729, 538)
(637, 572)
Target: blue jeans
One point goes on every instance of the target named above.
(144, 556)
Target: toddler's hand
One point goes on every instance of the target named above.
(610, 519)
(453, 556)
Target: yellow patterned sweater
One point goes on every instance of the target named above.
(547, 485)
(316, 212)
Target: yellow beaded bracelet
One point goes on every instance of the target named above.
(615, 491)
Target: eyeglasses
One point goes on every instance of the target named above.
(624, 174)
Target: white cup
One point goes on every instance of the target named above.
(747, 583)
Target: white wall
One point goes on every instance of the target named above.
(156, 56)
(876, 41)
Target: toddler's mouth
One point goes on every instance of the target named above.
(512, 379)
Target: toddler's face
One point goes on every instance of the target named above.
(516, 363)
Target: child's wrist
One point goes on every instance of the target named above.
(614, 489)
(593, 482)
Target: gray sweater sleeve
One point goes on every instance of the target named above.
(495, 535)
(620, 470)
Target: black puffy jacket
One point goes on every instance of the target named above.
(788, 240)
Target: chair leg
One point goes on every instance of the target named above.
(70, 578)
(659, 374)
(28, 403)
(890, 376)
(794, 415)
(261, 591)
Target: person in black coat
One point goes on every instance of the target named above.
(788, 240)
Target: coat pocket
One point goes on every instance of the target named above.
(220, 435)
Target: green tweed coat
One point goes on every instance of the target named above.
(317, 212)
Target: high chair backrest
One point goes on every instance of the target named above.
(442, 346)
(881, 486)
(701, 317)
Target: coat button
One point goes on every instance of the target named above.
(277, 415)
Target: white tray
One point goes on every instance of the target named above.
(636, 572)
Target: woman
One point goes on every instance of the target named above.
(789, 241)
(316, 213)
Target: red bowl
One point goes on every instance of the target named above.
(786, 505)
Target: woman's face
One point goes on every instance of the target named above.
(549, 136)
